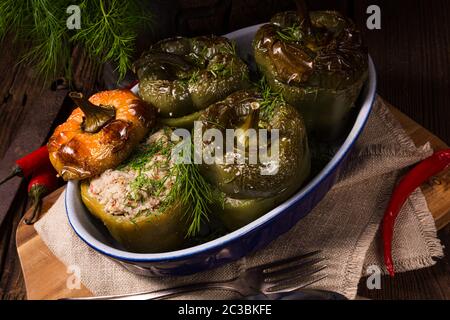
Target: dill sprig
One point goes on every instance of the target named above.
(194, 193)
(191, 78)
(142, 155)
(220, 69)
(229, 48)
(194, 76)
(270, 98)
(292, 33)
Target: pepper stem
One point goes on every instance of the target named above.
(303, 14)
(15, 172)
(36, 193)
(252, 119)
(95, 117)
(251, 122)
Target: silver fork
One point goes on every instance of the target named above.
(276, 277)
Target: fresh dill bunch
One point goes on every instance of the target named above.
(110, 28)
(270, 98)
(43, 25)
(14, 15)
(108, 32)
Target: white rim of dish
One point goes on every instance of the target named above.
(360, 122)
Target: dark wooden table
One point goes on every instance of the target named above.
(411, 52)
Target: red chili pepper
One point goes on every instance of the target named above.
(43, 182)
(411, 181)
(26, 165)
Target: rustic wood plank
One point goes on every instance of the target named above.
(12, 284)
(28, 107)
(43, 108)
(28, 138)
(428, 283)
(45, 276)
(411, 56)
(437, 189)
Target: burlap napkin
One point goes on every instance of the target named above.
(344, 225)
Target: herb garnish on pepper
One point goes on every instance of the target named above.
(317, 61)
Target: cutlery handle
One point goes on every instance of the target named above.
(166, 293)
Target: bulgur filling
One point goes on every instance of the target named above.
(140, 186)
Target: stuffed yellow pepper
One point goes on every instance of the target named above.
(137, 201)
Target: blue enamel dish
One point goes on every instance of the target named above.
(241, 242)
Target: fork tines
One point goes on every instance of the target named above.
(293, 273)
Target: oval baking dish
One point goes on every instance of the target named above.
(243, 241)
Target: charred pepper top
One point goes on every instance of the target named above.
(180, 76)
(317, 60)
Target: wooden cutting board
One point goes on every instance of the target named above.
(46, 277)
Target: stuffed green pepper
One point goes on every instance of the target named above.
(281, 161)
(317, 61)
(181, 76)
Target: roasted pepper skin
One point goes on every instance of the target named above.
(186, 122)
(78, 155)
(180, 76)
(236, 213)
(248, 193)
(156, 233)
(321, 73)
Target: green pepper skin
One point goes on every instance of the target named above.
(248, 193)
(186, 122)
(319, 72)
(156, 233)
(236, 213)
(180, 76)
